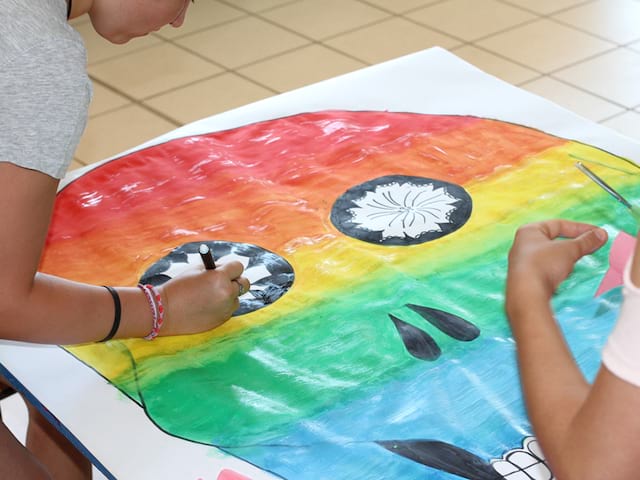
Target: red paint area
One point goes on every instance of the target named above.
(265, 183)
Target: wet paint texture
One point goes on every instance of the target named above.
(312, 382)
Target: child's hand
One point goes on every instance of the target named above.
(200, 300)
(543, 255)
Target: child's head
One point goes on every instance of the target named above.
(121, 20)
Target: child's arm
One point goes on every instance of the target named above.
(42, 308)
(586, 432)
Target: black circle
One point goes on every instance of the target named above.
(397, 209)
(263, 292)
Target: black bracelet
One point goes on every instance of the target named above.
(116, 317)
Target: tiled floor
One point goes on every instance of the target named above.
(582, 54)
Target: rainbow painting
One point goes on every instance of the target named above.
(373, 342)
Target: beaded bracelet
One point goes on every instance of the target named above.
(157, 309)
(116, 317)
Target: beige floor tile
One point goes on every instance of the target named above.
(389, 39)
(471, 19)
(614, 76)
(79, 20)
(99, 49)
(322, 19)
(301, 67)
(208, 97)
(257, 5)
(614, 20)
(153, 70)
(494, 65)
(400, 6)
(111, 133)
(545, 45)
(75, 164)
(202, 14)
(241, 42)
(545, 6)
(578, 101)
(104, 100)
(627, 123)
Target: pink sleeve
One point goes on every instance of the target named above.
(621, 354)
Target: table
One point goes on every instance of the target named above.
(113, 432)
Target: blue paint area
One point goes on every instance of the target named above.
(470, 399)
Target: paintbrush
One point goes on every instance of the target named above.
(610, 167)
(635, 211)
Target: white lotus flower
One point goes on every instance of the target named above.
(406, 210)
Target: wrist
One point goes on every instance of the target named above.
(523, 299)
(167, 328)
(154, 299)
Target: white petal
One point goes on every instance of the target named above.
(405, 210)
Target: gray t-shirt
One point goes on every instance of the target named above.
(44, 88)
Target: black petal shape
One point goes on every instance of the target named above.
(443, 456)
(454, 326)
(418, 342)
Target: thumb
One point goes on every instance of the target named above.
(590, 241)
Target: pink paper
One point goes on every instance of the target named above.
(230, 475)
(621, 250)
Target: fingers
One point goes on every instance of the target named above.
(588, 237)
(582, 238)
(568, 229)
(579, 239)
(556, 239)
(590, 240)
(243, 285)
(232, 269)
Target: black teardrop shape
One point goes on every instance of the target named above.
(418, 342)
(454, 326)
(443, 456)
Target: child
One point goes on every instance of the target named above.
(44, 95)
(586, 431)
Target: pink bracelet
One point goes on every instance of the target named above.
(157, 309)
